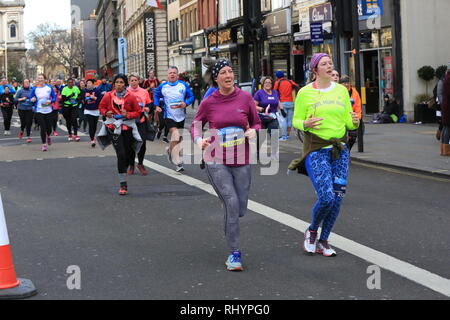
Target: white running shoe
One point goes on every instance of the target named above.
(324, 249)
(309, 245)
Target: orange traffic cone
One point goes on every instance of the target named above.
(10, 286)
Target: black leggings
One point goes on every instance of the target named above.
(26, 121)
(7, 113)
(141, 155)
(123, 144)
(92, 121)
(45, 123)
(55, 115)
(70, 114)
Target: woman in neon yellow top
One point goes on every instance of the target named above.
(324, 111)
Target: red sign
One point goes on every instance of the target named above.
(90, 74)
(388, 76)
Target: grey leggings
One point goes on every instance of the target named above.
(232, 185)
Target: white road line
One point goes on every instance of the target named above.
(401, 268)
(64, 128)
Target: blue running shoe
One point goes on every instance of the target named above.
(234, 262)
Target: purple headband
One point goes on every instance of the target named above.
(316, 59)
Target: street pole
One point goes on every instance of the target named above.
(357, 55)
(217, 29)
(5, 34)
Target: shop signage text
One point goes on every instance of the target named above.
(150, 41)
(186, 50)
(278, 23)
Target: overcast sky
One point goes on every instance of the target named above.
(42, 11)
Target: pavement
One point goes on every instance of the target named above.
(403, 146)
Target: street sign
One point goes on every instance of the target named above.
(123, 56)
(150, 42)
(186, 50)
(369, 9)
(321, 13)
(317, 36)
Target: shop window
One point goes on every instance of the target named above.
(386, 37)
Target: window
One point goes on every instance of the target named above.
(12, 31)
(276, 4)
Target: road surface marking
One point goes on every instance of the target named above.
(401, 268)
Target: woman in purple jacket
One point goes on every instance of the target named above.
(233, 120)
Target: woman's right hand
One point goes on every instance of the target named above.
(312, 123)
(109, 114)
(202, 144)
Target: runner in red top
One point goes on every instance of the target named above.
(121, 105)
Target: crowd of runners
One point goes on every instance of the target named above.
(133, 110)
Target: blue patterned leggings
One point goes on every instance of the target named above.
(329, 179)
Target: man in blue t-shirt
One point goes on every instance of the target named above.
(177, 97)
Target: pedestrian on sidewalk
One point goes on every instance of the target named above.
(43, 96)
(286, 89)
(6, 105)
(232, 112)
(324, 112)
(121, 109)
(355, 99)
(445, 136)
(25, 109)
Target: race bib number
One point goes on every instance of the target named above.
(231, 137)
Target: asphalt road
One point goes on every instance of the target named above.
(165, 240)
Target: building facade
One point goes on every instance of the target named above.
(146, 32)
(107, 37)
(12, 33)
(84, 22)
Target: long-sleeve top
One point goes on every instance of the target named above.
(25, 105)
(42, 95)
(11, 89)
(356, 101)
(92, 98)
(173, 94)
(129, 103)
(332, 105)
(228, 118)
(7, 99)
(70, 97)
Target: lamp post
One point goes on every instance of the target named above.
(5, 35)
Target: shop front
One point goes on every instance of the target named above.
(225, 48)
(378, 54)
(315, 34)
(277, 47)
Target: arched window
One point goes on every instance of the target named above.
(12, 31)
